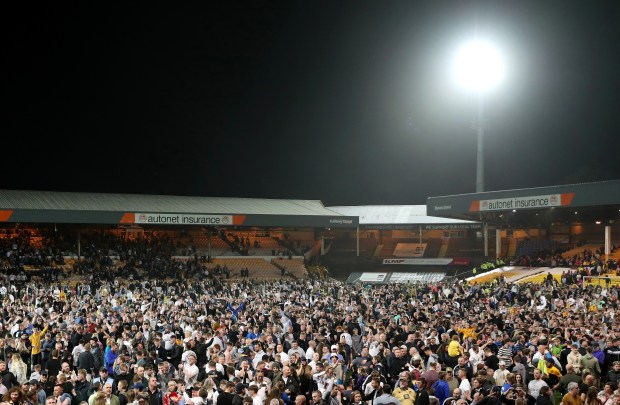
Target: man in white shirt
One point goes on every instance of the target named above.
(310, 350)
(536, 384)
(169, 338)
(475, 356)
(189, 370)
(76, 352)
(284, 358)
(465, 385)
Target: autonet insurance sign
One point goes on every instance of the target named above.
(538, 201)
(183, 219)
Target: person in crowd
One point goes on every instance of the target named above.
(572, 397)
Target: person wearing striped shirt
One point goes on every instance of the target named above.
(505, 352)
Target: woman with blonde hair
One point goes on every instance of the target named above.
(357, 398)
(131, 397)
(21, 348)
(209, 385)
(100, 399)
(19, 368)
(172, 396)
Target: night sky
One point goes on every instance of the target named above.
(347, 102)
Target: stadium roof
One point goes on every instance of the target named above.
(102, 208)
(597, 201)
(399, 217)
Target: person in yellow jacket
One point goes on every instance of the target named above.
(35, 341)
(454, 351)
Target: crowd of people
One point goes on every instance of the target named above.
(127, 334)
(223, 342)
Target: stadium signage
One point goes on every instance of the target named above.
(394, 261)
(341, 221)
(538, 201)
(182, 219)
(443, 261)
(446, 227)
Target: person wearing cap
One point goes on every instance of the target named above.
(239, 394)
(104, 377)
(36, 385)
(453, 383)
(138, 387)
(333, 350)
(404, 393)
(600, 356)
(333, 359)
(551, 374)
(275, 372)
(46, 384)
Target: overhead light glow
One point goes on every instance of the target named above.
(479, 66)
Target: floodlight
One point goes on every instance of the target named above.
(479, 66)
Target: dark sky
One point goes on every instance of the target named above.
(347, 102)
